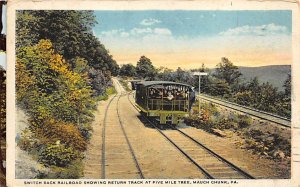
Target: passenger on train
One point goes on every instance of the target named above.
(170, 96)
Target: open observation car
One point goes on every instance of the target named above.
(167, 101)
(133, 84)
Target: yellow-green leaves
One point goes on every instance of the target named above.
(58, 101)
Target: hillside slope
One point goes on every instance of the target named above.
(275, 74)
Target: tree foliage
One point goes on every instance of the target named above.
(128, 70)
(145, 69)
(71, 35)
(227, 71)
(287, 86)
(61, 69)
(58, 100)
(225, 83)
(46, 87)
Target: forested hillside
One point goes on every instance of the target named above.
(276, 75)
(62, 70)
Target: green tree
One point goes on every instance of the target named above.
(58, 100)
(145, 69)
(285, 106)
(227, 71)
(164, 73)
(219, 87)
(71, 34)
(287, 86)
(128, 70)
(46, 87)
(205, 81)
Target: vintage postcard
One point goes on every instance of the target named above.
(153, 93)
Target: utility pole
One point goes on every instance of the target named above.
(199, 91)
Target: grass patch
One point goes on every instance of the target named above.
(109, 91)
(125, 85)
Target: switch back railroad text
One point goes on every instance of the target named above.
(131, 182)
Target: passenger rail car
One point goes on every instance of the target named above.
(167, 101)
(133, 84)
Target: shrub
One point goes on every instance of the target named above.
(58, 155)
(202, 122)
(111, 90)
(225, 123)
(73, 171)
(85, 130)
(67, 133)
(26, 141)
(244, 121)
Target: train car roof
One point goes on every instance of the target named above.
(150, 83)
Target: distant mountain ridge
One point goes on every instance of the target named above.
(274, 74)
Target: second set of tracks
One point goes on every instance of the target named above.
(209, 163)
(112, 159)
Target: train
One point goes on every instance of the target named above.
(167, 102)
(133, 83)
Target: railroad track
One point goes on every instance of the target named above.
(212, 165)
(279, 120)
(121, 164)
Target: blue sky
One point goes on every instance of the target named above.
(190, 23)
(190, 38)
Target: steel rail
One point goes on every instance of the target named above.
(246, 107)
(245, 174)
(270, 120)
(231, 165)
(128, 142)
(124, 133)
(174, 144)
(103, 137)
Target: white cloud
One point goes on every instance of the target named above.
(136, 33)
(124, 34)
(162, 31)
(113, 32)
(243, 45)
(261, 30)
(149, 21)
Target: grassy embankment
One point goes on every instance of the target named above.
(125, 85)
(109, 91)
